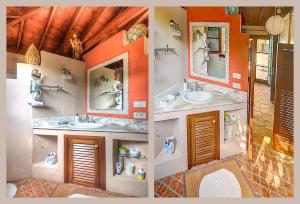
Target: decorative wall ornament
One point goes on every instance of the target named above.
(137, 31)
(32, 55)
(77, 47)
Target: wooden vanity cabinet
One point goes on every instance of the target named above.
(85, 160)
(203, 135)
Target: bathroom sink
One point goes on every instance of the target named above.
(87, 125)
(197, 97)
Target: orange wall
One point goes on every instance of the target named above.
(238, 42)
(138, 67)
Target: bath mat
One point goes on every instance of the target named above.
(194, 177)
(66, 190)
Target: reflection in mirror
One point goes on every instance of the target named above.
(209, 51)
(107, 86)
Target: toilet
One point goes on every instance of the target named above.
(11, 190)
(220, 184)
(78, 195)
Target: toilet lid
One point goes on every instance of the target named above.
(220, 184)
(78, 195)
(11, 190)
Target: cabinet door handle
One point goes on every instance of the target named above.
(214, 121)
(96, 146)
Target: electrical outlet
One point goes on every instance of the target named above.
(139, 115)
(236, 85)
(139, 104)
(236, 75)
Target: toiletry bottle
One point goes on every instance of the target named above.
(141, 174)
(119, 165)
(184, 85)
(77, 118)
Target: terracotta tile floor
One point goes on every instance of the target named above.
(34, 187)
(41, 188)
(269, 174)
(263, 115)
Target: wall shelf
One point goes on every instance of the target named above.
(132, 178)
(45, 165)
(132, 157)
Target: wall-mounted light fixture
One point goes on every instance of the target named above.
(275, 24)
(175, 28)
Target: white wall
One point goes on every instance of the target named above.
(72, 99)
(19, 114)
(11, 64)
(172, 68)
(287, 36)
(18, 125)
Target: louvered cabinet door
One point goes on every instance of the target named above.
(203, 138)
(85, 165)
(283, 135)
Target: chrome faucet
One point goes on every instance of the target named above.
(86, 118)
(198, 87)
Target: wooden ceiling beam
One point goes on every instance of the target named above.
(118, 13)
(49, 22)
(139, 19)
(13, 16)
(93, 22)
(21, 29)
(250, 16)
(116, 24)
(142, 18)
(261, 14)
(24, 17)
(71, 25)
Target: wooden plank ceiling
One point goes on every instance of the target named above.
(50, 28)
(258, 16)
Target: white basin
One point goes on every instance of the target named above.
(87, 125)
(197, 97)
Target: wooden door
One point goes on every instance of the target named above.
(85, 160)
(273, 76)
(203, 132)
(283, 135)
(252, 58)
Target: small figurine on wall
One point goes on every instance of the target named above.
(77, 47)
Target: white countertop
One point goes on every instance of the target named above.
(118, 125)
(220, 97)
(109, 128)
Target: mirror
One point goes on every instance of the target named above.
(209, 50)
(108, 86)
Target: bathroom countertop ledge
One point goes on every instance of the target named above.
(118, 125)
(218, 99)
(115, 128)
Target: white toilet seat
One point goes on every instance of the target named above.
(11, 190)
(220, 184)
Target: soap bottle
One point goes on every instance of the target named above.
(184, 85)
(77, 118)
(141, 174)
